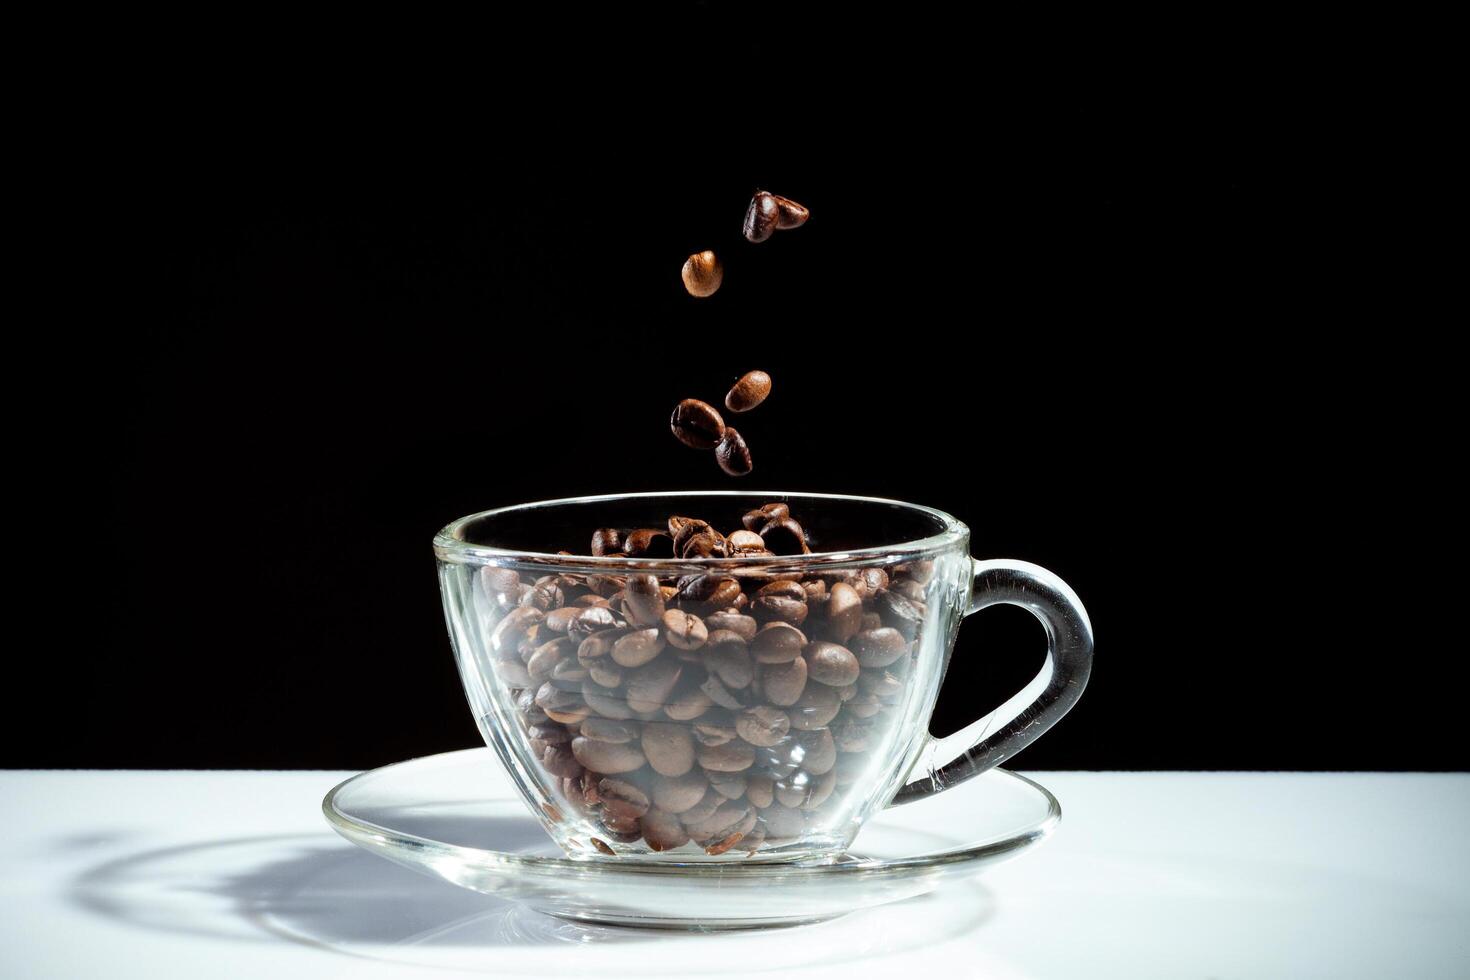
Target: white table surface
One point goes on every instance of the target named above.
(1215, 875)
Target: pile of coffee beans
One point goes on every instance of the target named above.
(724, 709)
(768, 213)
(698, 424)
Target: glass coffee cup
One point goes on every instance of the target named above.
(746, 708)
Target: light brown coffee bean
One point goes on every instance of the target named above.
(605, 673)
(609, 730)
(663, 831)
(724, 844)
(676, 794)
(544, 660)
(761, 217)
(789, 214)
(762, 725)
(643, 600)
(621, 798)
(782, 684)
(716, 728)
(683, 630)
(732, 453)
(756, 519)
(879, 647)
(688, 701)
(697, 425)
(740, 624)
(638, 647)
(550, 732)
(607, 757)
(559, 760)
(702, 274)
(557, 620)
(816, 707)
(566, 707)
(730, 757)
(830, 663)
(727, 656)
(819, 751)
(777, 643)
(844, 612)
(648, 542)
(760, 791)
(722, 695)
(730, 785)
(669, 748)
(748, 392)
(648, 688)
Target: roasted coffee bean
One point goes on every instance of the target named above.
(863, 705)
(547, 656)
(513, 673)
(709, 591)
(879, 647)
(609, 730)
(669, 748)
(748, 392)
(796, 791)
(880, 683)
(549, 732)
(702, 274)
(624, 828)
(844, 612)
(847, 693)
(778, 643)
(500, 581)
(818, 750)
(648, 542)
(732, 453)
(605, 673)
(919, 571)
(560, 705)
(676, 794)
(544, 596)
(725, 820)
(648, 688)
(621, 798)
(607, 757)
(716, 728)
(852, 734)
(697, 425)
(760, 791)
(512, 629)
(638, 647)
(782, 821)
(874, 580)
(744, 544)
(726, 655)
(782, 684)
(816, 707)
(606, 540)
(589, 601)
(830, 663)
(606, 585)
(597, 646)
(909, 589)
(702, 810)
(781, 609)
(762, 725)
(733, 756)
(643, 600)
(559, 760)
(821, 790)
(785, 537)
(730, 785)
(530, 711)
(789, 214)
(901, 613)
(722, 695)
(761, 217)
(663, 831)
(684, 631)
(681, 529)
(689, 701)
(568, 674)
(756, 519)
(816, 592)
(706, 544)
(591, 620)
(606, 702)
(738, 623)
(557, 620)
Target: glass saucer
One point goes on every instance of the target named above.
(454, 816)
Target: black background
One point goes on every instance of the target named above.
(1090, 326)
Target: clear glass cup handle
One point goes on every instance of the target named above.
(988, 742)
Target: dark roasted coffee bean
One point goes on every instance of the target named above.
(607, 757)
(732, 453)
(819, 752)
(702, 274)
(624, 829)
(778, 643)
(726, 655)
(669, 748)
(606, 585)
(844, 612)
(879, 647)
(783, 589)
(605, 673)
(782, 684)
(684, 631)
(648, 542)
(785, 537)
(745, 544)
(598, 646)
(706, 544)
(606, 702)
(547, 656)
(589, 602)
(730, 785)
(756, 519)
(748, 392)
(919, 571)
(735, 622)
(513, 673)
(711, 591)
(762, 725)
(697, 425)
(816, 591)
(512, 629)
(759, 791)
(871, 581)
(643, 600)
(816, 707)
(907, 588)
(530, 711)
(544, 596)
(681, 529)
(621, 798)
(830, 663)
(550, 733)
(761, 217)
(846, 694)
(557, 620)
(902, 614)
(609, 730)
(780, 609)
(606, 540)
(559, 760)
(789, 214)
(591, 620)
(676, 794)
(731, 757)
(663, 831)
(500, 581)
(648, 688)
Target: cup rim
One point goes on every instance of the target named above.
(450, 545)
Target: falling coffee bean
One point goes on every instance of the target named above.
(761, 217)
(789, 213)
(748, 392)
(732, 453)
(702, 273)
(697, 425)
